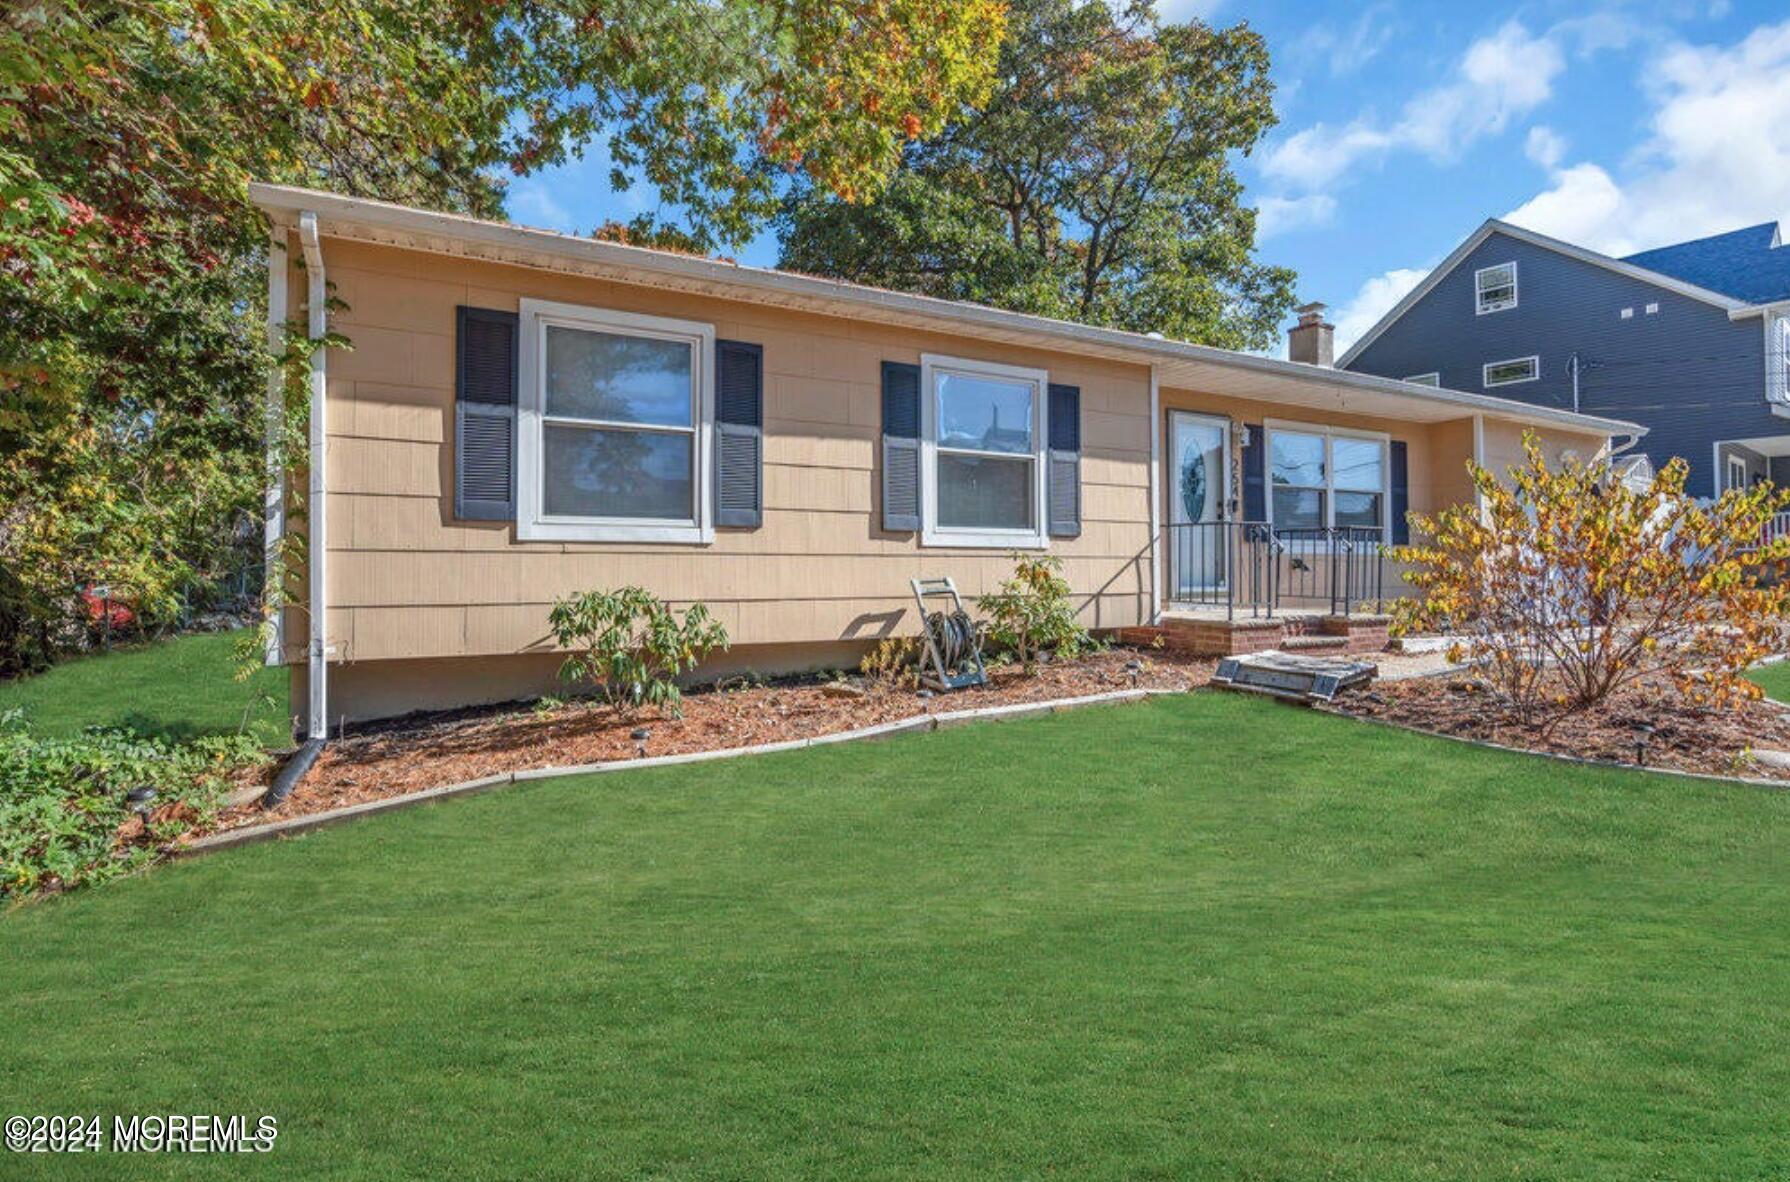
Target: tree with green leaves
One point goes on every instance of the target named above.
(132, 360)
(1094, 185)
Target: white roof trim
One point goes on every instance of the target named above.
(1774, 308)
(1494, 226)
(446, 233)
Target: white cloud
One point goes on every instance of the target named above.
(1373, 300)
(1584, 206)
(1346, 50)
(529, 203)
(1277, 215)
(1499, 78)
(1545, 146)
(1717, 156)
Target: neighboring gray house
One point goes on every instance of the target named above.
(1691, 340)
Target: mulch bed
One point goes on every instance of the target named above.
(430, 750)
(1685, 737)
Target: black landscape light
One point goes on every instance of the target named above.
(1643, 735)
(141, 800)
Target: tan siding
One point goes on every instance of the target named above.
(1504, 446)
(409, 581)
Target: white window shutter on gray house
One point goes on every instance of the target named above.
(485, 414)
(1063, 463)
(739, 434)
(901, 446)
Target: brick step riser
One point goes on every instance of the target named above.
(1216, 638)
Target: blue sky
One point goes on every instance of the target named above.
(1619, 126)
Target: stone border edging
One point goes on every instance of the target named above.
(1753, 781)
(247, 835)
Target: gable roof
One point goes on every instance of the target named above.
(1223, 372)
(1749, 264)
(1494, 226)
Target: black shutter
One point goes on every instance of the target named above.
(1255, 488)
(1401, 494)
(1063, 462)
(901, 446)
(739, 434)
(485, 414)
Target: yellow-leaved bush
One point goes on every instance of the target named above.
(1563, 586)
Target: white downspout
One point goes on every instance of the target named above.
(1155, 498)
(274, 505)
(316, 544)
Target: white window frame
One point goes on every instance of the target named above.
(1736, 464)
(1485, 371)
(1329, 435)
(1777, 360)
(932, 367)
(1479, 302)
(533, 524)
(1432, 378)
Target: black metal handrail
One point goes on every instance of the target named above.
(1256, 569)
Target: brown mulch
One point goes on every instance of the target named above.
(1685, 737)
(430, 750)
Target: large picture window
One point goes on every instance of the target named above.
(1322, 477)
(982, 427)
(616, 415)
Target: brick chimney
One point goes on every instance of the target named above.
(1313, 339)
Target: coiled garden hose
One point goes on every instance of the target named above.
(955, 635)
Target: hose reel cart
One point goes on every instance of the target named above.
(953, 640)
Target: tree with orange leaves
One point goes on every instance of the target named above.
(1564, 586)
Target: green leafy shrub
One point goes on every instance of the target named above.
(64, 819)
(630, 646)
(1032, 612)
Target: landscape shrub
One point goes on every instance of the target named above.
(1032, 612)
(1563, 585)
(631, 646)
(64, 817)
(894, 662)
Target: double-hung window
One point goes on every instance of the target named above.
(1736, 473)
(616, 422)
(1495, 288)
(1322, 477)
(982, 429)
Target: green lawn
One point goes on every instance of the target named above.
(177, 688)
(1775, 679)
(1206, 937)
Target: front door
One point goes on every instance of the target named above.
(1199, 480)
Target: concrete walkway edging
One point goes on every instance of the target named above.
(230, 838)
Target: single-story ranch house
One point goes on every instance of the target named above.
(523, 415)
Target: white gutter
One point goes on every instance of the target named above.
(274, 504)
(447, 233)
(316, 547)
(1774, 308)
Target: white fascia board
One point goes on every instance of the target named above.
(1494, 226)
(426, 230)
(1747, 311)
